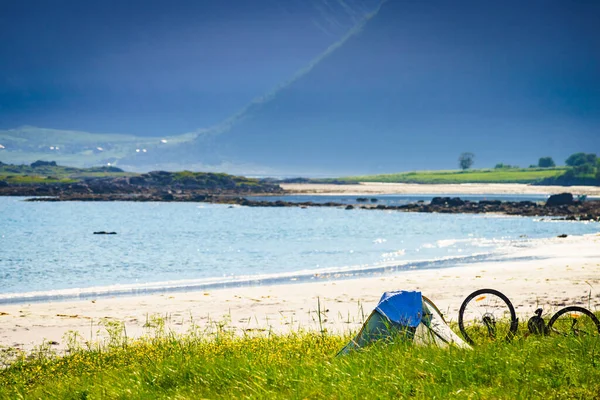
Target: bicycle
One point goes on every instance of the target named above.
(487, 314)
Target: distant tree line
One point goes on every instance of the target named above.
(546, 162)
(583, 168)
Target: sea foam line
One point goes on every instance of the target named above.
(188, 285)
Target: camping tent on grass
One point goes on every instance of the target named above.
(405, 315)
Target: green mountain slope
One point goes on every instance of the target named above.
(80, 149)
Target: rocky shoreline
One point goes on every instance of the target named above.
(562, 206)
(152, 186)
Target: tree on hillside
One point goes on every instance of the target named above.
(505, 166)
(546, 162)
(585, 169)
(466, 160)
(579, 159)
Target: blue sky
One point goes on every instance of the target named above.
(425, 81)
(155, 67)
(513, 80)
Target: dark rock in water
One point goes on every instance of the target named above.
(373, 200)
(589, 217)
(559, 200)
(447, 201)
(564, 235)
(104, 233)
(362, 199)
(439, 201)
(349, 208)
(527, 204)
(167, 197)
(490, 202)
(456, 202)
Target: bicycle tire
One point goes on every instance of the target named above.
(514, 322)
(565, 310)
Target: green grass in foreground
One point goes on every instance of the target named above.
(303, 365)
(523, 175)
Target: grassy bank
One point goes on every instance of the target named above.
(304, 365)
(30, 174)
(501, 175)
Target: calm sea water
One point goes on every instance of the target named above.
(49, 251)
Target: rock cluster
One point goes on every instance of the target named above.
(221, 188)
(580, 211)
(153, 186)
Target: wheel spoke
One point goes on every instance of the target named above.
(486, 315)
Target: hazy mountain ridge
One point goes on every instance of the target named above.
(156, 68)
(378, 103)
(411, 87)
(76, 148)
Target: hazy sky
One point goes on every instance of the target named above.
(168, 67)
(155, 66)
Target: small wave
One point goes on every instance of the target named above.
(393, 254)
(333, 273)
(447, 242)
(478, 242)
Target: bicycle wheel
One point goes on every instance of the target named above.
(574, 321)
(486, 315)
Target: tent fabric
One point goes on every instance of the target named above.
(434, 331)
(377, 328)
(406, 316)
(402, 307)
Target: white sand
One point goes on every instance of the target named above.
(372, 188)
(552, 273)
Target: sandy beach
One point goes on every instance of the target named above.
(551, 273)
(374, 188)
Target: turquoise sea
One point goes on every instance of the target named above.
(48, 250)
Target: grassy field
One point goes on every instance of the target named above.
(24, 174)
(303, 365)
(523, 175)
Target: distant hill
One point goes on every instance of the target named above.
(79, 149)
(46, 178)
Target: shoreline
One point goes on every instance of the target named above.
(209, 284)
(375, 188)
(552, 273)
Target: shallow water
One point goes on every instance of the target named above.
(49, 248)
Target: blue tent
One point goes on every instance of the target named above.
(403, 315)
